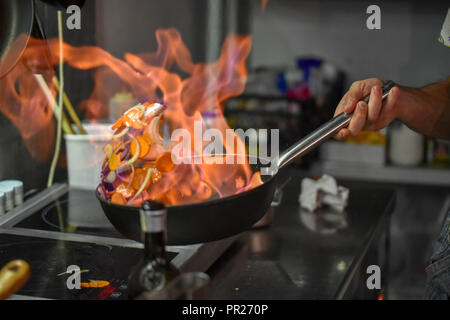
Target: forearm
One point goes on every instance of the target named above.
(426, 110)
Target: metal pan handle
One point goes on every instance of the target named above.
(322, 133)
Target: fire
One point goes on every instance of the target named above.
(264, 4)
(24, 104)
(149, 77)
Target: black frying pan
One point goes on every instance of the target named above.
(224, 217)
(16, 19)
(199, 222)
(19, 20)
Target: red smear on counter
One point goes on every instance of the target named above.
(105, 293)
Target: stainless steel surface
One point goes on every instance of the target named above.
(292, 260)
(322, 133)
(187, 286)
(29, 206)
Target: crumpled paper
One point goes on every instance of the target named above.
(325, 191)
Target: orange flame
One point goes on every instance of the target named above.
(149, 77)
(264, 4)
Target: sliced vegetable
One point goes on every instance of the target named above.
(162, 197)
(114, 161)
(118, 123)
(108, 150)
(111, 177)
(139, 178)
(147, 138)
(118, 198)
(154, 109)
(131, 178)
(109, 187)
(154, 130)
(156, 175)
(132, 118)
(102, 192)
(143, 185)
(124, 168)
(121, 133)
(94, 284)
(135, 152)
(164, 162)
(139, 145)
(125, 191)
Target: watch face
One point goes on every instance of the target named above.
(152, 280)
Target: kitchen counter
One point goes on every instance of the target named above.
(299, 256)
(302, 255)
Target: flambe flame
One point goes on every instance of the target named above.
(149, 77)
(264, 4)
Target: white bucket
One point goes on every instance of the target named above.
(85, 155)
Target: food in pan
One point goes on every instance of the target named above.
(135, 158)
(138, 165)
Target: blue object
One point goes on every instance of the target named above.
(282, 83)
(305, 64)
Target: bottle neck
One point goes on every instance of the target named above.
(154, 245)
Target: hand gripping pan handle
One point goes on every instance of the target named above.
(324, 132)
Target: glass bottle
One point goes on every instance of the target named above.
(154, 271)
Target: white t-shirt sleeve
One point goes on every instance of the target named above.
(445, 32)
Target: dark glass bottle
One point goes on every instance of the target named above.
(154, 271)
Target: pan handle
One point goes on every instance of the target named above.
(322, 133)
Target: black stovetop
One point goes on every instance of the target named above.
(56, 235)
(77, 211)
(50, 258)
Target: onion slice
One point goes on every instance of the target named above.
(147, 178)
(155, 109)
(120, 134)
(108, 150)
(111, 177)
(136, 155)
(132, 177)
(154, 130)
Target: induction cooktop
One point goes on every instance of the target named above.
(62, 227)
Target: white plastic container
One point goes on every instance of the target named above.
(406, 146)
(85, 155)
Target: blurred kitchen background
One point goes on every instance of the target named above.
(305, 54)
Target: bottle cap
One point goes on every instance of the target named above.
(153, 216)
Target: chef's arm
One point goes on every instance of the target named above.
(425, 110)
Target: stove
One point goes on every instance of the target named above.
(62, 227)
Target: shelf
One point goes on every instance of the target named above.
(389, 174)
(248, 96)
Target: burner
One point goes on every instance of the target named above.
(77, 211)
(61, 227)
(49, 260)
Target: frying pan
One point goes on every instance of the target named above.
(16, 24)
(19, 20)
(220, 218)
